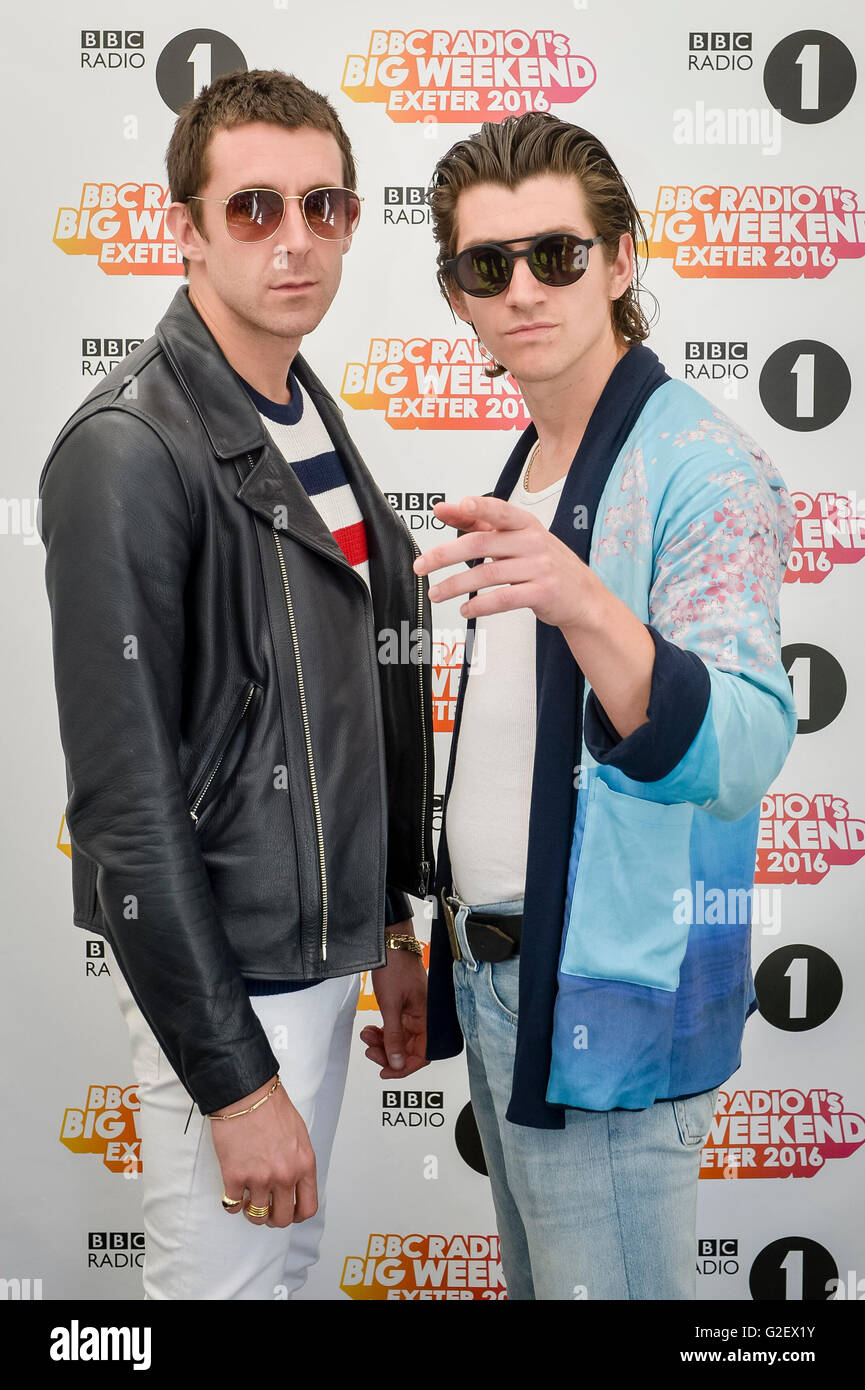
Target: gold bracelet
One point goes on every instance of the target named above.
(400, 942)
(248, 1111)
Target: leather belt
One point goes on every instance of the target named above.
(491, 936)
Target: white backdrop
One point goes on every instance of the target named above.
(743, 148)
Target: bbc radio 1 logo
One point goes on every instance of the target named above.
(477, 75)
(797, 1269)
(416, 509)
(412, 1109)
(818, 683)
(808, 77)
(406, 206)
(192, 60)
(725, 362)
(102, 49)
(115, 1249)
(804, 385)
(717, 1255)
(720, 51)
(99, 356)
(798, 987)
(95, 964)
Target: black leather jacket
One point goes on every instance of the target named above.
(250, 787)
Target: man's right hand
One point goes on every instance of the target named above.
(266, 1157)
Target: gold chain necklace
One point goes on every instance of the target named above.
(532, 456)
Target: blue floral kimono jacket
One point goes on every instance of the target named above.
(627, 997)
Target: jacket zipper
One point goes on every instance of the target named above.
(319, 831)
(217, 762)
(424, 864)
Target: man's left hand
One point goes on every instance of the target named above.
(533, 568)
(399, 1046)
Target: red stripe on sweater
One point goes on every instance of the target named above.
(352, 542)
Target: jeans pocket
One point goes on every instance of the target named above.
(694, 1115)
(504, 985)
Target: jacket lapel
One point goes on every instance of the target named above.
(271, 488)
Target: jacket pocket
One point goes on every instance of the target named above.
(226, 754)
(633, 859)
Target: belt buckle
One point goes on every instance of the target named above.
(450, 923)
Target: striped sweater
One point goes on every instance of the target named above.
(299, 433)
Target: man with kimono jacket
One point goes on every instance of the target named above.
(611, 747)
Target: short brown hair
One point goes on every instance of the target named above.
(521, 147)
(241, 98)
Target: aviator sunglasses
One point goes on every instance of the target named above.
(555, 258)
(255, 214)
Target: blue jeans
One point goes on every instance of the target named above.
(605, 1208)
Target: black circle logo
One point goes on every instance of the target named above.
(810, 76)
(818, 683)
(468, 1140)
(805, 385)
(791, 1269)
(191, 61)
(798, 987)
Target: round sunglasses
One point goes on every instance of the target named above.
(554, 258)
(256, 214)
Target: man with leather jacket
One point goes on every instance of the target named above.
(250, 785)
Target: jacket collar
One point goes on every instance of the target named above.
(234, 428)
(231, 421)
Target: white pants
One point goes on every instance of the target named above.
(193, 1248)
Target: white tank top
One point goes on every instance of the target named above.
(488, 806)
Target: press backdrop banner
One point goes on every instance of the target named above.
(743, 148)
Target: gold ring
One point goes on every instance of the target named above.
(229, 1202)
(258, 1211)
